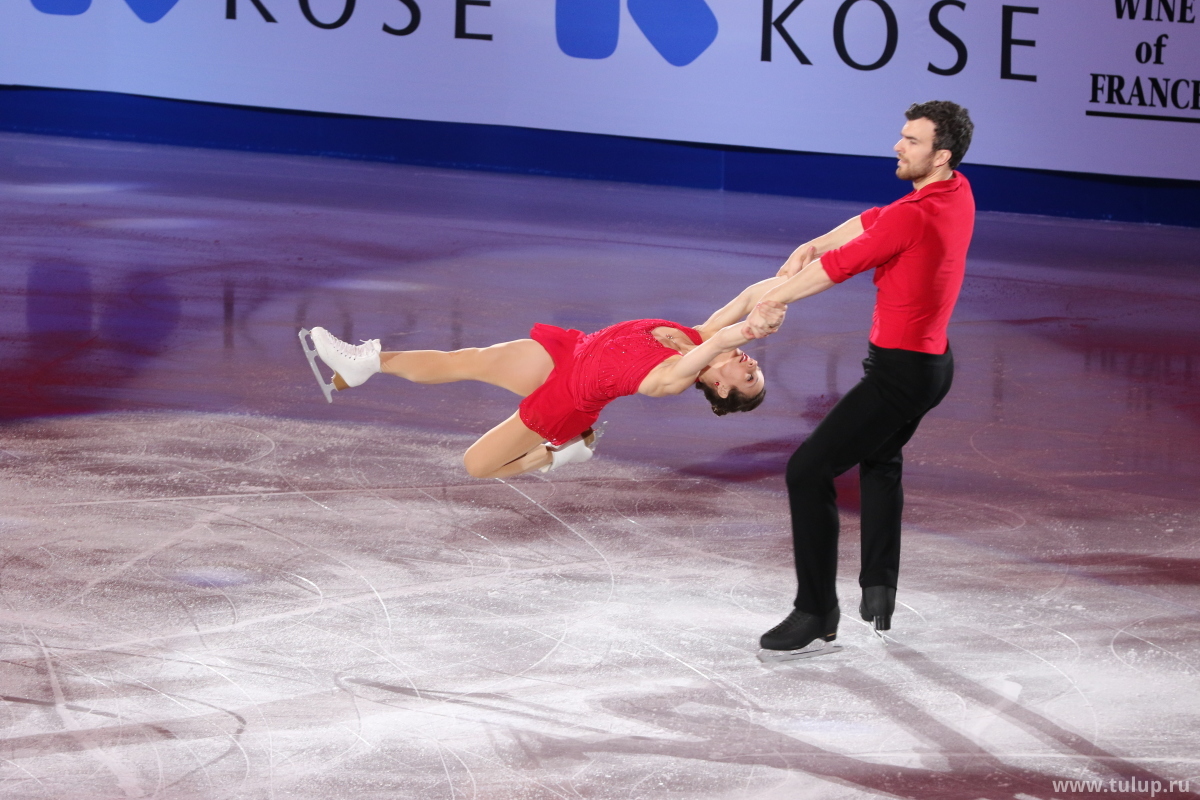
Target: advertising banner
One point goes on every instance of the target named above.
(1105, 86)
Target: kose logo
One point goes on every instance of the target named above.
(680, 30)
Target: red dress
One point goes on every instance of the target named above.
(590, 371)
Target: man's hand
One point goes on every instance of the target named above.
(801, 258)
(764, 320)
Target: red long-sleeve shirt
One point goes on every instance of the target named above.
(918, 249)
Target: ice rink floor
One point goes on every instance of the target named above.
(215, 585)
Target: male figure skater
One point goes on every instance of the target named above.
(917, 247)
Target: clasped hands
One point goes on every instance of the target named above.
(768, 315)
(765, 319)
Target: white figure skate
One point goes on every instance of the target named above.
(352, 364)
(575, 451)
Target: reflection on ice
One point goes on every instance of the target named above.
(216, 577)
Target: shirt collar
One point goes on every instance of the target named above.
(951, 184)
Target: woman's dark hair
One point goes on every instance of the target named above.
(952, 126)
(734, 401)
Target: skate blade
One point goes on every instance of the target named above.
(310, 351)
(597, 431)
(820, 647)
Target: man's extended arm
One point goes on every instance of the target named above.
(847, 231)
(810, 279)
(737, 308)
(858, 249)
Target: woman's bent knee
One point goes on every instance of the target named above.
(476, 466)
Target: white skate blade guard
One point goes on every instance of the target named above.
(819, 647)
(311, 352)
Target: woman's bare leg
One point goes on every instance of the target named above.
(519, 366)
(522, 366)
(508, 449)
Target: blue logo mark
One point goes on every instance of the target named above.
(151, 10)
(66, 7)
(146, 10)
(680, 30)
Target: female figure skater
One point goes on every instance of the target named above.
(566, 377)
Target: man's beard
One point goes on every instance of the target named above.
(914, 172)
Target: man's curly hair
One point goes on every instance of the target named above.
(952, 126)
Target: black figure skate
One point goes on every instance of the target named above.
(877, 605)
(801, 635)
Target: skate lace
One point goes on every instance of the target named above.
(794, 620)
(353, 351)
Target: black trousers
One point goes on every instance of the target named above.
(868, 427)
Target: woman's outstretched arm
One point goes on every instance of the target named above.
(676, 375)
(738, 308)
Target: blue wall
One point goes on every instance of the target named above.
(864, 179)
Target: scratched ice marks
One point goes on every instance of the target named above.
(214, 585)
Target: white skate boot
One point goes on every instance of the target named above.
(352, 364)
(576, 451)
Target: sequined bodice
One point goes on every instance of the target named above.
(613, 361)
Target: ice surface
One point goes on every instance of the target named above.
(215, 585)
